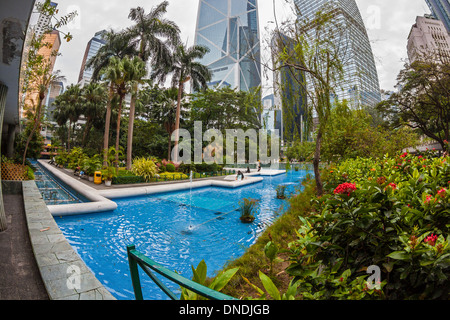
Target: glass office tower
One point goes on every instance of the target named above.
(441, 11)
(360, 86)
(230, 29)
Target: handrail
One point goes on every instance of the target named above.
(136, 258)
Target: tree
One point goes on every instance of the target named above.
(423, 101)
(116, 74)
(317, 53)
(184, 67)
(93, 107)
(152, 36)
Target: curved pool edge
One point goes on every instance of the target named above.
(64, 273)
(98, 202)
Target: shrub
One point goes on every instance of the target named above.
(391, 213)
(145, 168)
(172, 176)
(170, 167)
(128, 179)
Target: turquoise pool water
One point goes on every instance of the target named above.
(176, 229)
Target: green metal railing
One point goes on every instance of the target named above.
(136, 258)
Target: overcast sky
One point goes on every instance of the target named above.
(388, 23)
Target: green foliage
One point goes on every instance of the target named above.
(170, 167)
(398, 202)
(350, 134)
(199, 276)
(127, 179)
(247, 209)
(145, 168)
(92, 164)
(281, 192)
(76, 158)
(301, 151)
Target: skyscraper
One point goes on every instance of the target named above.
(290, 94)
(360, 85)
(92, 48)
(428, 37)
(230, 29)
(440, 10)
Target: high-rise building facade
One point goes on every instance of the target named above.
(360, 85)
(92, 48)
(290, 91)
(428, 37)
(440, 10)
(230, 29)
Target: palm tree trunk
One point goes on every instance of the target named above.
(87, 129)
(119, 116)
(170, 147)
(130, 130)
(177, 121)
(107, 125)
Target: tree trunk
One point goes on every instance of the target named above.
(316, 162)
(107, 125)
(87, 129)
(119, 116)
(37, 122)
(69, 135)
(177, 121)
(130, 131)
(170, 147)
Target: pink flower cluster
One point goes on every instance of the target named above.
(345, 188)
(393, 186)
(431, 240)
(442, 193)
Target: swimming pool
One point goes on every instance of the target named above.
(177, 230)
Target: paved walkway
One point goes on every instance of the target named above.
(19, 277)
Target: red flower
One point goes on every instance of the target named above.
(345, 188)
(428, 199)
(442, 193)
(392, 185)
(431, 240)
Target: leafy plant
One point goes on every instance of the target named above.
(271, 252)
(391, 213)
(91, 165)
(247, 208)
(170, 167)
(145, 168)
(199, 276)
(281, 192)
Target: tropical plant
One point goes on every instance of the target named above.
(281, 190)
(152, 36)
(391, 213)
(144, 167)
(93, 106)
(91, 165)
(184, 67)
(200, 277)
(247, 209)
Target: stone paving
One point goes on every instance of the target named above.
(65, 275)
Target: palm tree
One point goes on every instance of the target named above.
(152, 36)
(164, 110)
(93, 105)
(135, 71)
(117, 74)
(184, 68)
(42, 78)
(72, 102)
(117, 46)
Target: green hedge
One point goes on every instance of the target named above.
(128, 180)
